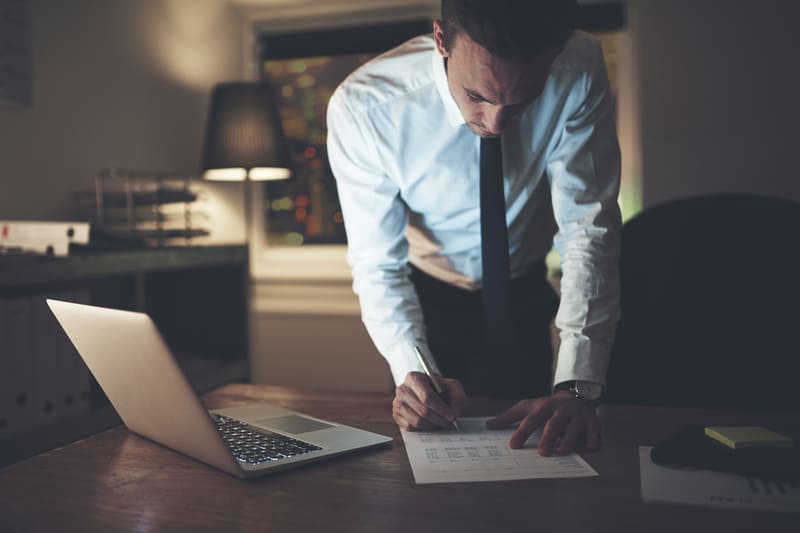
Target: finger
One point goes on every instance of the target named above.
(409, 419)
(421, 386)
(593, 434)
(553, 429)
(401, 422)
(396, 416)
(533, 421)
(455, 394)
(575, 429)
(413, 422)
(412, 410)
(420, 410)
(516, 412)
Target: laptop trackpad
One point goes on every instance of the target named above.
(294, 424)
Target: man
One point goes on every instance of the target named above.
(405, 137)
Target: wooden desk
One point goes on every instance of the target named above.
(117, 481)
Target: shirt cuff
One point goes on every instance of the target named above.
(403, 359)
(580, 358)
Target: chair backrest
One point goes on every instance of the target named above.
(710, 305)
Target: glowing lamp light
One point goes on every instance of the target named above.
(244, 138)
(244, 141)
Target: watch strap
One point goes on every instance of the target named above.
(574, 387)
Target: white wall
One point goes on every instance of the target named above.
(325, 351)
(117, 83)
(718, 85)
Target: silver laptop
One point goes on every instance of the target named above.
(141, 378)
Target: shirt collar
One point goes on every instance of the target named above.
(454, 116)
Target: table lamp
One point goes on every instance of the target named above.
(244, 140)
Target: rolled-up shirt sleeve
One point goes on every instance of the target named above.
(584, 173)
(377, 250)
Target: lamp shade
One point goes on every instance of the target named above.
(244, 138)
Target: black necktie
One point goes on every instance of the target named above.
(498, 327)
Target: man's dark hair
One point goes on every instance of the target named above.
(510, 29)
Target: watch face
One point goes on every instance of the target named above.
(588, 390)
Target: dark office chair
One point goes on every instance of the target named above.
(710, 305)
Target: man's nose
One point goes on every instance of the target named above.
(495, 119)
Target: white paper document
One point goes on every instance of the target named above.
(714, 489)
(479, 454)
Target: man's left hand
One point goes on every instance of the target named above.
(561, 415)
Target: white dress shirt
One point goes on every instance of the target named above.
(406, 167)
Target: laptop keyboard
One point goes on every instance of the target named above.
(255, 446)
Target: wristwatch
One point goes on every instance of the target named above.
(585, 390)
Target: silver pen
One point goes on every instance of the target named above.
(429, 372)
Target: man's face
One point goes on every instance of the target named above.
(489, 91)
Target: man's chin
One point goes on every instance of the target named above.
(481, 132)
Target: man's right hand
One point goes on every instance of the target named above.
(417, 406)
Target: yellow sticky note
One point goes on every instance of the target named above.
(738, 437)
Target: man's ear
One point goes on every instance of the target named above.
(438, 36)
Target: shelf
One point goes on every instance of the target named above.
(20, 271)
(160, 196)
